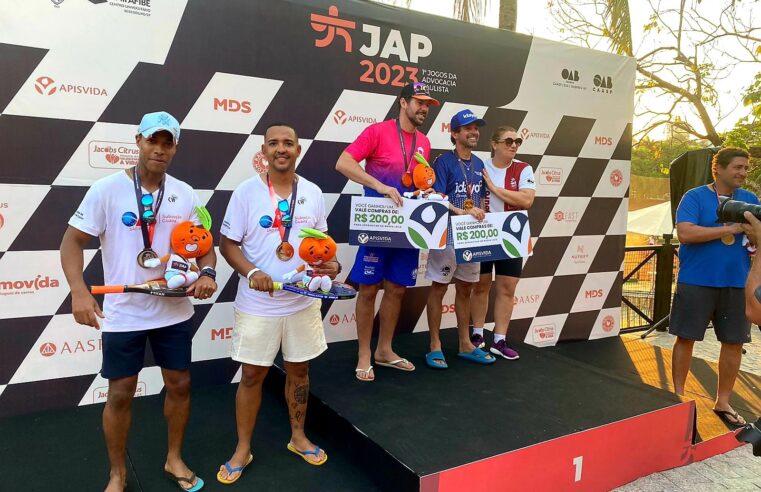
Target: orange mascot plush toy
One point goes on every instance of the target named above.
(188, 241)
(423, 178)
(315, 249)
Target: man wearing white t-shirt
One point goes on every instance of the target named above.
(129, 214)
(260, 238)
(511, 186)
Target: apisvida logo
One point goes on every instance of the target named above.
(340, 117)
(527, 134)
(47, 86)
(30, 286)
(340, 33)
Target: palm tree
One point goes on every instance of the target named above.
(475, 10)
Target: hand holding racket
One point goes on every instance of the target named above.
(263, 283)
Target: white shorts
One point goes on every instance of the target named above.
(258, 339)
(442, 267)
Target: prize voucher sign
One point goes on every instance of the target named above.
(418, 224)
(499, 236)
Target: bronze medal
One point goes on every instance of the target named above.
(284, 251)
(144, 255)
(468, 204)
(729, 239)
(406, 180)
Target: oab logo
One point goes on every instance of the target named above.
(570, 75)
(467, 255)
(339, 117)
(363, 238)
(47, 349)
(602, 84)
(44, 85)
(608, 323)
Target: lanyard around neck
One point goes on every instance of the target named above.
(407, 163)
(146, 229)
(285, 230)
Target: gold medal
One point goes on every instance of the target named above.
(284, 251)
(144, 255)
(729, 239)
(468, 204)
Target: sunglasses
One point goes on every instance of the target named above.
(509, 141)
(282, 205)
(148, 215)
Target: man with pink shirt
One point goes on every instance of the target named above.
(387, 149)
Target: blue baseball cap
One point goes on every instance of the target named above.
(159, 121)
(465, 117)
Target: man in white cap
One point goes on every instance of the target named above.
(127, 212)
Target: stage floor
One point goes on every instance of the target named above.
(380, 436)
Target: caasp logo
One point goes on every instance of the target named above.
(616, 178)
(608, 323)
(260, 162)
(602, 84)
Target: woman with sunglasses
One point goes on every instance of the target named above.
(510, 185)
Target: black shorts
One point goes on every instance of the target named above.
(695, 305)
(124, 352)
(511, 267)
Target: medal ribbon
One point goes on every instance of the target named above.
(468, 182)
(407, 162)
(146, 229)
(284, 230)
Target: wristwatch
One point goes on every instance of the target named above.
(208, 271)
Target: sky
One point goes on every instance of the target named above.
(534, 18)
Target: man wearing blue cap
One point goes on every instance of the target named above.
(459, 174)
(128, 213)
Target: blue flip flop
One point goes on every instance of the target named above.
(478, 356)
(432, 357)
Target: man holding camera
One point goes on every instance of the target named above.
(714, 265)
(753, 285)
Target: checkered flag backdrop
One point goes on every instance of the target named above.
(77, 80)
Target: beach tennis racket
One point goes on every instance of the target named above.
(337, 291)
(153, 288)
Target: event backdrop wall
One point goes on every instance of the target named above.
(77, 76)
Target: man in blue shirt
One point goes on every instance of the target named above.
(714, 264)
(459, 174)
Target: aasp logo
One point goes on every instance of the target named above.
(334, 320)
(44, 85)
(48, 349)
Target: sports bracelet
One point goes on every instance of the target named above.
(252, 272)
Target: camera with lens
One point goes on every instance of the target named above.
(732, 211)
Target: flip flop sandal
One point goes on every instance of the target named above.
(364, 380)
(231, 470)
(725, 415)
(178, 480)
(304, 454)
(394, 364)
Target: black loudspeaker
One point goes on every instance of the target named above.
(752, 435)
(689, 170)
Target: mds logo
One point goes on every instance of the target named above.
(593, 294)
(232, 105)
(603, 140)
